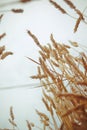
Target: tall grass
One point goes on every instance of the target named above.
(63, 78)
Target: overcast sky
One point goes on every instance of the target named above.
(42, 19)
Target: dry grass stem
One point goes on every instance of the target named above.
(33, 60)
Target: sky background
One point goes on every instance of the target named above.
(42, 19)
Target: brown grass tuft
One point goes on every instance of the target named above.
(64, 88)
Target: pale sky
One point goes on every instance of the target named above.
(42, 19)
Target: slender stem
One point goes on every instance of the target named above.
(84, 21)
(71, 16)
(84, 9)
(38, 127)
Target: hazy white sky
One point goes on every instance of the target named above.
(42, 19)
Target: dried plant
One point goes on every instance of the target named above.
(65, 86)
(72, 6)
(63, 78)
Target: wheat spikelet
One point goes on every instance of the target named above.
(84, 63)
(46, 123)
(28, 125)
(12, 122)
(42, 115)
(67, 46)
(54, 63)
(2, 48)
(5, 54)
(24, 1)
(75, 44)
(58, 7)
(51, 110)
(77, 24)
(34, 38)
(68, 2)
(38, 76)
(11, 113)
(43, 55)
(45, 103)
(2, 35)
(17, 10)
(1, 16)
(53, 41)
(46, 49)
